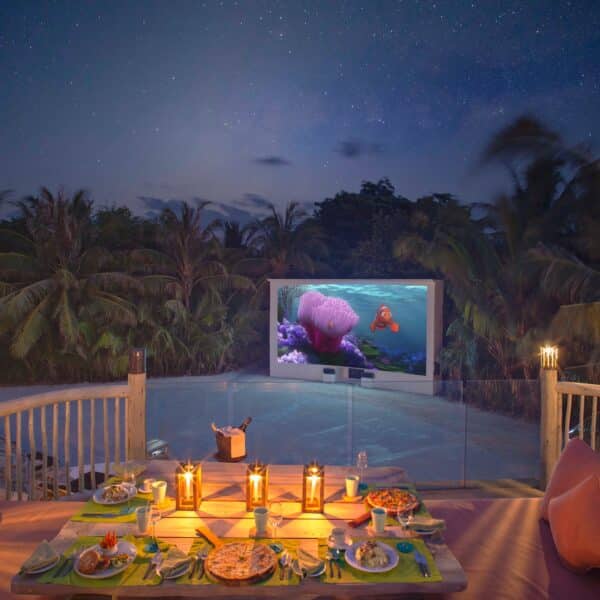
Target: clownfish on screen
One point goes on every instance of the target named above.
(383, 319)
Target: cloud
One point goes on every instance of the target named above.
(272, 161)
(354, 148)
(257, 201)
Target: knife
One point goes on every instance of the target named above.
(422, 563)
(109, 515)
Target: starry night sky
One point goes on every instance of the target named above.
(238, 102)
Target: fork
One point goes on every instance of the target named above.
(156, 559)
(202, 554)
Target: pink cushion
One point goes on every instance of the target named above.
(576, 463)
(575, 525)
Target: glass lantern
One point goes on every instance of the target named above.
(188, 486)
(257, 485)
(313, 488)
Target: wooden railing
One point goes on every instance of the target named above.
(47, 472)
(569, 409)
(579, 400)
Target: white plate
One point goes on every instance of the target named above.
(181, 571)
(130, 489)
(43, 569)
(297, 570)
(354, 562)
(424, 531)
(123, 547)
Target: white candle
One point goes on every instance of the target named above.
(188, 484)
(313, 486)
(255, 478)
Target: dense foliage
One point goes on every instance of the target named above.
(79, 287)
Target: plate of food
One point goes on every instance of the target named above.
(101, 563)
(116, 493)
(42, 560)
(394, 500)
(371, 556)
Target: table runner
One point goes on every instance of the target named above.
(405, 572)
(102, 509)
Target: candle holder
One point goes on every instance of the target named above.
(188, 486)
(257, 485)
(313, 488)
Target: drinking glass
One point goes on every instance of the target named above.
(155, 516)
(404, 516)
(275, 516)
(362, 463)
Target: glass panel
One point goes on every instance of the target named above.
(419, 430)
(503, 432)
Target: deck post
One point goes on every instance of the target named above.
(549, 417)
(135, 406)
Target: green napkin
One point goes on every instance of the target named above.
(132, 575)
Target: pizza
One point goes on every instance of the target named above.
(393, 499)
(237, 563)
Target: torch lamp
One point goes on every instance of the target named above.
(549, 357)
(188, 486)
(257, 485)
(313, 488)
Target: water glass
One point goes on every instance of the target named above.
(142, 515)
(275, 516)
(362, 463)
(155, 516)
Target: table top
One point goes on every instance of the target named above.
(223, 510)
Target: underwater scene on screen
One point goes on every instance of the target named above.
(363, 325)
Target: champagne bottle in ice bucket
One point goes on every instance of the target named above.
(231, 441)
(245, 424)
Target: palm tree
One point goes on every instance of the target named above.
(288, 243)
(187, 272)
(60, 297)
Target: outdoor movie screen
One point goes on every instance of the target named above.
(379, 326)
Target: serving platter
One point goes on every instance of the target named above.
(123, 547)
(356, 564)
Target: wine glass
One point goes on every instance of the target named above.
(155, 516)
(404, 516)
(275, 516)
(362, 463)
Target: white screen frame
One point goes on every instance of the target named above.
(434, 334)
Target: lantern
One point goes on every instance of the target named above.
(313, 488)
(549, 357)
(257, 485)
(188, 486)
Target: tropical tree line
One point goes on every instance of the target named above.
(79, 286)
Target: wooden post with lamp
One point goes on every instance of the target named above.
(549, 417)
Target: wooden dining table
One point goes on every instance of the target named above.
(223, 511)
